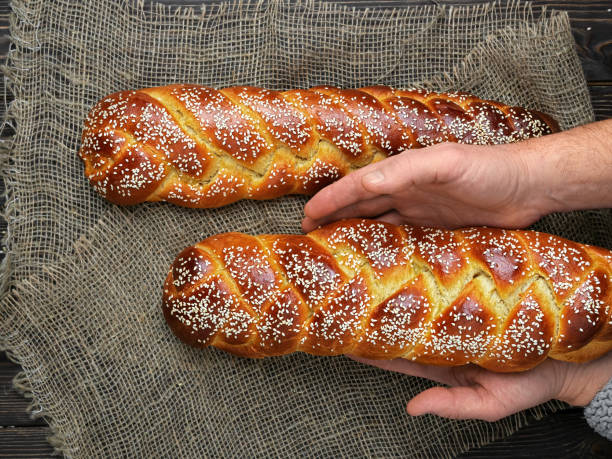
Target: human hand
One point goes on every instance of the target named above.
(447, 185)
(476, 393)
(454, 185)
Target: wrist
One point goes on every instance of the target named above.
(580, 382)
(541, 162)
(537, 191)
(570, 170)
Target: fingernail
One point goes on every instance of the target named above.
(374, 177)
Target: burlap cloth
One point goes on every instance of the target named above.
(82, 278)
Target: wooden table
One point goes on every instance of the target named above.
(563, 434)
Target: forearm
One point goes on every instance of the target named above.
(571, 170)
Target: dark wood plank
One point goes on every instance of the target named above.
(562, 435)
(591, 26)
(4, 26)
(601, 97)
(4, 47)
(30, 442)
(13, 405)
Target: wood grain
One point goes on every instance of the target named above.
(13, 405)
(601, 97)
(562, 435)
(4, 32)
(591, 27)
(30, 442)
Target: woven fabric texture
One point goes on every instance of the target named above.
(82, 278)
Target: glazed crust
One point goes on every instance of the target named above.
(501, 299)
(197, 146)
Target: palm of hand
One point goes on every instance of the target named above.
(476, 393)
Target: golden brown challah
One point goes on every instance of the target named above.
(200, 147)
(504, 300)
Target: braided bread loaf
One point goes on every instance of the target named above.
(501, 299)
(201, 147)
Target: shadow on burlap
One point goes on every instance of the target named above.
(82, 278)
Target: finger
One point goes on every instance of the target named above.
(368, 208)
(366, 183)
(403, 172)
(461, 402)
(386, 177)
(432, 217)
(395, 218)
(345, 192)
(435, 373)
(308, 224)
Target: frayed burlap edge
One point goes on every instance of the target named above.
(20, 26)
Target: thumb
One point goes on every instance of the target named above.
(461, 402)
(350, 189)
(403, 171)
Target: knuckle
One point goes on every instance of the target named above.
(450, 150)
(446, 147)
(491, 417)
